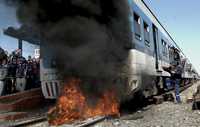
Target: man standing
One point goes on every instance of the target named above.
(176, 77)
(176, 74)
(20, 74)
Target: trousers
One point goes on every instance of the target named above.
(177, 90)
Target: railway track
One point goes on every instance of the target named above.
(29, 121)
(42, 119)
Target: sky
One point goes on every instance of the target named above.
(181, 18)
(8, 18)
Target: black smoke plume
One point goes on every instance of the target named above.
(85, 37)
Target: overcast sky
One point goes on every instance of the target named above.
(181, 18)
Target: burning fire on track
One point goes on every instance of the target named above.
(86, 38)
(73, 105)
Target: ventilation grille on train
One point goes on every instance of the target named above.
(51, 89)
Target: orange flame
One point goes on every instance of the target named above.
(72, 105)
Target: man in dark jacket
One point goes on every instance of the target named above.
(176, 74)
(20, 74)
(176, 77)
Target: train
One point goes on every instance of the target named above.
(152, 48)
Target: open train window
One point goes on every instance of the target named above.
(164, 47)
(146, 34)
(137, 22)
(137, 18)
(170, 53)
(177, 54)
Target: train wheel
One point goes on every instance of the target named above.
(20, 84)
(2, 88)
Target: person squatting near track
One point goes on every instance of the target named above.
(21, 73)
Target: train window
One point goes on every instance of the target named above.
(146, 34)
(137, 23)
(176, 55)
(137, 18)
(170, 52)
(146, 27)
(164, 47)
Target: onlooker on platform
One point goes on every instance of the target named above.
(20, 75)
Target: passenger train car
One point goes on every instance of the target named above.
(152, 49)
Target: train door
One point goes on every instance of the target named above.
(155, 39)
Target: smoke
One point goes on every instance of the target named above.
(85, 37)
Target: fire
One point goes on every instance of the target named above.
(72, 105)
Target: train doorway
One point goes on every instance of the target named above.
(155, 38)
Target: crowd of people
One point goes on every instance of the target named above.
(19, 73)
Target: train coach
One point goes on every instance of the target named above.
(151, 49)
